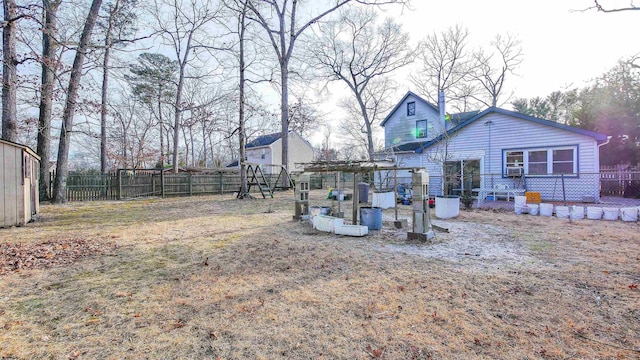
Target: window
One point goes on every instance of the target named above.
(537, 162)
(411, 108)
(563, 161)
(550, 161)
(421, 129)
(515, 158)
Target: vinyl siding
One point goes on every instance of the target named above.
(472, 142)
(400, 128)
(300, 151)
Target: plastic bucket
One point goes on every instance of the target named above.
(610, 213)
(371, 217)
(629, 214)
(577, 213)
(520, 204)
(533, 209)
(546, 209)
(562, 212)
(594, 213)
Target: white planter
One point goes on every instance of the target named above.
(447, 207)
(351, 230)
(326, 223)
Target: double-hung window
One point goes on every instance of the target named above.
(411, 108)
(543, 161)
(421, 129)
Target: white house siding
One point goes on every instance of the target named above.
(400, 128)
(512, 133)
(300, 152)
(254, 156)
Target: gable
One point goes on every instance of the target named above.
(401, 105)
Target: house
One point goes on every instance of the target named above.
(266, 150)
(18, 184)
(495, 147)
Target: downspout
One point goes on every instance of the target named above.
(597, 198)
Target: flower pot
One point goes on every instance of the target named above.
(447, 207)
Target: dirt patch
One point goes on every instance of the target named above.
(480, 246)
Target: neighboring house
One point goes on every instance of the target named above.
(18, 184)
(495, 147)
(266, 150)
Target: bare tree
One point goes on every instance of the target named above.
(183, 26)
(444, 64)
(599, 7)
(360, 53)
(49, 63)
(304, 116)
(60, 183)
(283, 26)
(491, 70)
(116, 27)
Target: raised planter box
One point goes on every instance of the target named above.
(326, 223)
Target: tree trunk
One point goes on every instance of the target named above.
(284, 115)
(103, 105)
(49, 62)
(177, 119)
(241, 130)
(60, 183)
(365, 115)
(9, 73)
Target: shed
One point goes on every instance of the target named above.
(19, 166)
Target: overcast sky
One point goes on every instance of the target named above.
(563, 46)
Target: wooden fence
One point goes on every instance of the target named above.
(620, 182)
(129, 185)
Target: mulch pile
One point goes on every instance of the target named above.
(16, 257)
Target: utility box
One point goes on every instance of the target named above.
(421, 218)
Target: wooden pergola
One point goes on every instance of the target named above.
(358, 168)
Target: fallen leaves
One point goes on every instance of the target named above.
(16, 257)
(633, 286)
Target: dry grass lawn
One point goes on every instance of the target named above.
(215, 277)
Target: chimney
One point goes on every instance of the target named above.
(441, 108)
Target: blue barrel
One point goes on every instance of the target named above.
(371, 217)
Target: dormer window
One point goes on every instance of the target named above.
(411, 108)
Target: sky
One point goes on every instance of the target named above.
(562, 46)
